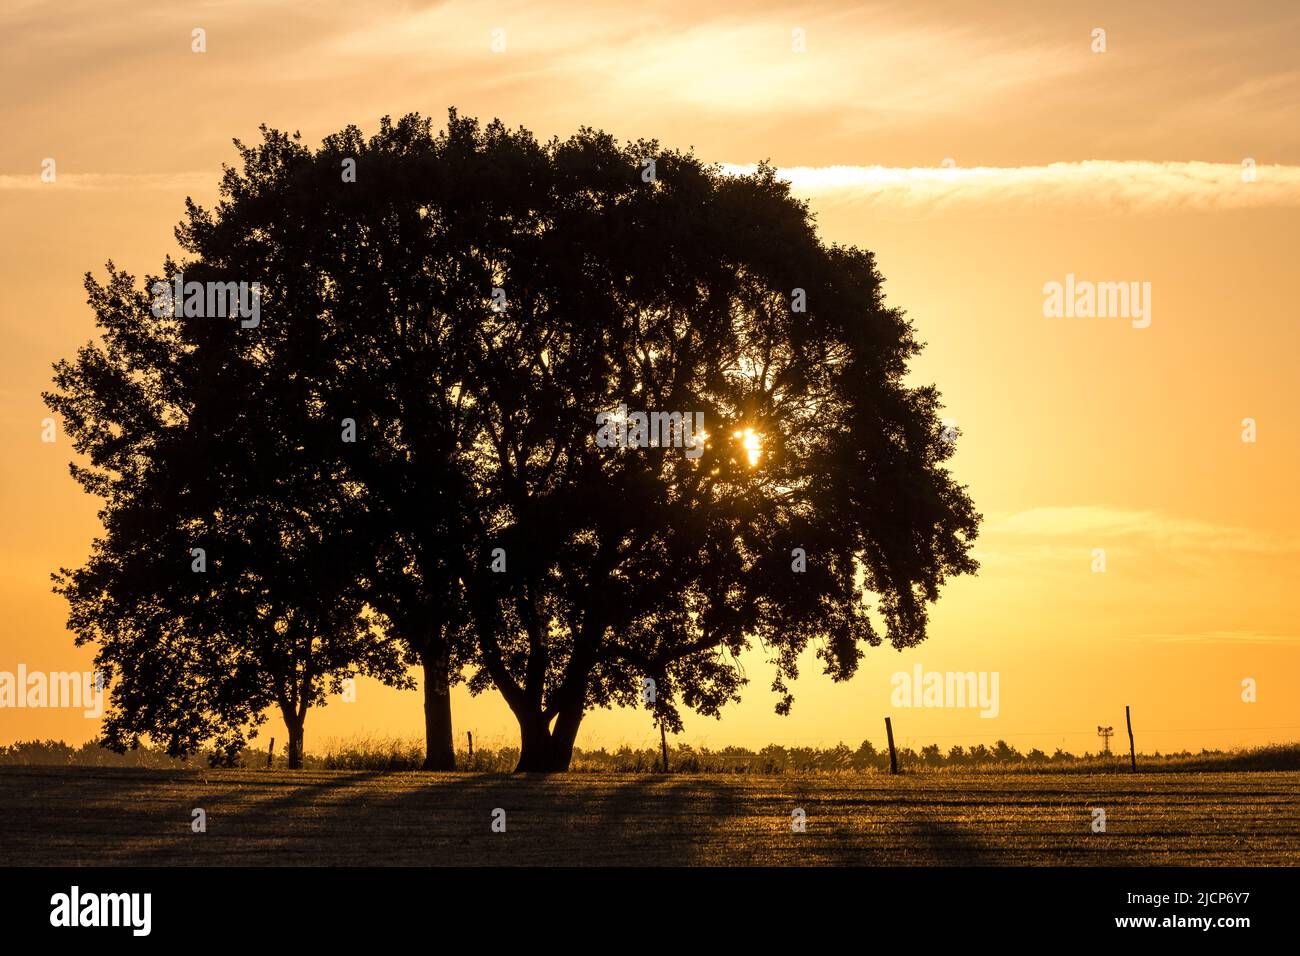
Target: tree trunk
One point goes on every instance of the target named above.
(543, 750)
(564, 736)
(294, 725)
(439, 750)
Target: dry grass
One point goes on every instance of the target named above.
(58, 816)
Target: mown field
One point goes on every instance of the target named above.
(97, 816)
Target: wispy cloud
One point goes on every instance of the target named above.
(1097, 523)
(1110, 185)
(1219, 637)
(719, 62)
(176, 182)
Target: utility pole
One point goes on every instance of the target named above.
(893, 755)
(1132, 754)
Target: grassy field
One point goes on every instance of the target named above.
(98, 816)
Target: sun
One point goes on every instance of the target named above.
(752, 443)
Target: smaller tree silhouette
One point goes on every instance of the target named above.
(226, 581)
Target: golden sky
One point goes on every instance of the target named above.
(981, 150)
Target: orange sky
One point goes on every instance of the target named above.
(1076, 433)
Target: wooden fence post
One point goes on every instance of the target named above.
(893, 755)
(663, 744)
(270, 752)
(1132, 754)
(471, 747)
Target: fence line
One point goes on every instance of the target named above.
(908, 740)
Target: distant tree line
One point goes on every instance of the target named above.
(683, 758)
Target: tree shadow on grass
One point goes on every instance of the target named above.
(753, 824)
(525, 820)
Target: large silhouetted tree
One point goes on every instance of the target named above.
(470, 301)
(713, 295)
